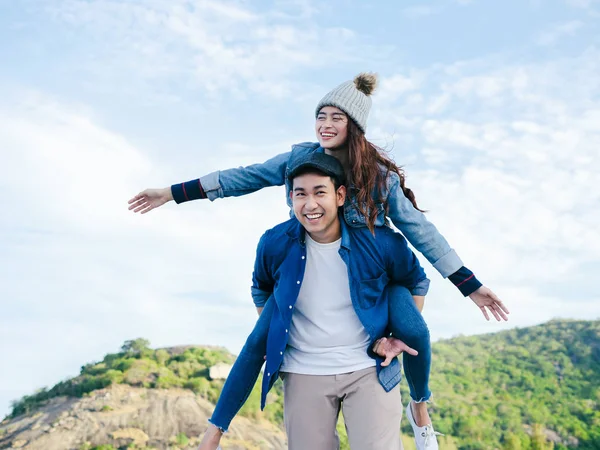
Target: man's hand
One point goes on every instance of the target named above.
(391, 347)
(149, 199)
(485, 298)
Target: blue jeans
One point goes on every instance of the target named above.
(406, 324)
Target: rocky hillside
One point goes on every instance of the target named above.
(139, 398)
(122, 416)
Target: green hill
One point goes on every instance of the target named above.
(496, 390)
(532, 388)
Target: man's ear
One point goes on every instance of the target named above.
(341, 195)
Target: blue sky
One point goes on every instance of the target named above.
(492, 107)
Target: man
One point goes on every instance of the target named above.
(328, 282)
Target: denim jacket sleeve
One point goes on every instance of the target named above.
(262, 279)
(245, 180)
(421, 233)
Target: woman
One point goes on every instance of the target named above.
(376, 190)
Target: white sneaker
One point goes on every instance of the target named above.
(425, 437)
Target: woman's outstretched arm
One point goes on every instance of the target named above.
(233, 182)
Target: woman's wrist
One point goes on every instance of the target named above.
(167, 192)
(190, 190)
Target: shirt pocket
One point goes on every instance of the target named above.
(372, 291)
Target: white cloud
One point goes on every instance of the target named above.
(559, 31)
(82, 274)
(207, 46)
(394, 87)
(509, 170)
(418, 11)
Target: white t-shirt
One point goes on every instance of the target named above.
(326, 336)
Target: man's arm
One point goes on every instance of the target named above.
(262, 278)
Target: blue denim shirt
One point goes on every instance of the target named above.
(421, 233)
(372, 261)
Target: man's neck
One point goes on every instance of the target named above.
(328, 236)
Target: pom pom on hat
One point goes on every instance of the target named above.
(366, 82)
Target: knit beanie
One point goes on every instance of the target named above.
(352, 97)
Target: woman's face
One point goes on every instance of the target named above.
(331, 127)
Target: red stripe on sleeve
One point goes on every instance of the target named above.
(465, 280)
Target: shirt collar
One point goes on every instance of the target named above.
(345, 231)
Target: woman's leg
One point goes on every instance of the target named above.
(407, 324)
(241, 379)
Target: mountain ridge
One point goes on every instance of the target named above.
(524, 388)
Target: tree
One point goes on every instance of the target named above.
(512, 442)
(161, 356)
(538, 439)
(136, 346)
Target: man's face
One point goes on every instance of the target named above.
(331, 127)
(316, 202)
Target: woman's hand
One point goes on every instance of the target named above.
(149, 199)
(485, 298)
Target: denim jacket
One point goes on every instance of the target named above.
(421, 233)
(372, 261)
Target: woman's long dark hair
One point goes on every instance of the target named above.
(366, 174)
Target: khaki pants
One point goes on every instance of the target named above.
(312, 404)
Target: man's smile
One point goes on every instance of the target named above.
(313, 216)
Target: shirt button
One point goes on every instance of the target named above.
(303, 257)
(281, 353)
(269, 374)
(290, 306)
(297, 282)
(286, 330)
